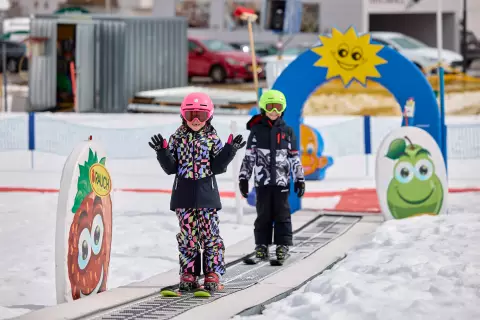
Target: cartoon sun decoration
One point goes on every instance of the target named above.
(349, 56)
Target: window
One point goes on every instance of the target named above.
(295, 51)
(192, 46)
(381, 42)
(310, 14)
(409, 43)
(197, 12)
(217, 45)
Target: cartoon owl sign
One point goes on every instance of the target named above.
(84, 224)
(411, 177)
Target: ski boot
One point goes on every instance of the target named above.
(261, 252)
(212, 282)
(188, 282)
(282, 254)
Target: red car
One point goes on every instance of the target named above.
(219, 61)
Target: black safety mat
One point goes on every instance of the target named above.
(239, 276)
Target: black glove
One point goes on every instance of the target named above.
(243, 184)
(158, 143)
(299, 188)
(238, 142)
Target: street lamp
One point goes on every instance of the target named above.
(440, 72)
(464, 37)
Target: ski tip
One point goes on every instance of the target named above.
(170, 293)
(249, 261)
(202, 294)
(276, 263)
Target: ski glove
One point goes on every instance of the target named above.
(158, 143)
(237, 142)
(243, 184)
(299, 188)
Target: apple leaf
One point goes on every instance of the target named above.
(396, 149)
(102, 161)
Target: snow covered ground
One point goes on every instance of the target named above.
(144, 237)
(143, 244)
(420, 268)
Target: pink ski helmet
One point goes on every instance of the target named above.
(197, 105)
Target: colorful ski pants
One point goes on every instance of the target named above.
(199, 230)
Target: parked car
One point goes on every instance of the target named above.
(422, 55)
(289, 53)
(15, 52)
(473, 48)
(219, 61)
(261, 49)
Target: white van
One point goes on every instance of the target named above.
(18, 28)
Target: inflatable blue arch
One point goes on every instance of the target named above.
(340, 54)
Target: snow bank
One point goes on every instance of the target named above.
(420, 268)
(7, 313)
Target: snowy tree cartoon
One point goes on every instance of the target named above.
(415, 189)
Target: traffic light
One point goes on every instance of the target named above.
(276, 15)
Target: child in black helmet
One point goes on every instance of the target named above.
(273, 156)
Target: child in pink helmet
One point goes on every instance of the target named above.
(195, 154)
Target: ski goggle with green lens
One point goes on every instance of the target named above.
(270, 107)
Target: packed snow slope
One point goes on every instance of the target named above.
(419, 268)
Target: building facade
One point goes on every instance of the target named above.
(214, 18)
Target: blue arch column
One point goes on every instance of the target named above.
(399, 76)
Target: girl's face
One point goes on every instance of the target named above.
(273, 115)
(196, 124)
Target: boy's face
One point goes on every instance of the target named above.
(273, 115)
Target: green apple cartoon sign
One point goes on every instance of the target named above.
(410, 176)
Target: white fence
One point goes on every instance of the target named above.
(126, 136)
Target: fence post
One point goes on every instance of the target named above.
(235, 170)
(367, 138)
(31, 137)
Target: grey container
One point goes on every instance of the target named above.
(116, 57)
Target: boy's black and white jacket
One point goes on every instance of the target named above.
(271, 153)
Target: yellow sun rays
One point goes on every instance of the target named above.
(349, 56)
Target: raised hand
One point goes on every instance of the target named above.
(237, 143)
(158, 143)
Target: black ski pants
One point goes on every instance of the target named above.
(273, 214)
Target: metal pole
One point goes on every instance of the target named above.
(254, 58)
(108, 6)
(464, 37)
(439, 30)
(4, 73)
(235, 170)
(443, 131)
